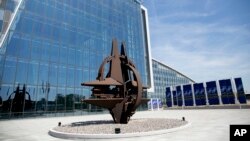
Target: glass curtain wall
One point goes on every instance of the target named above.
(54, 45)
(165, 76)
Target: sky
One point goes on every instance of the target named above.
(204, 39)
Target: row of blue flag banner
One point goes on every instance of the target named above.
(226, 91)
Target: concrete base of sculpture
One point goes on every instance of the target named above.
(105, 129)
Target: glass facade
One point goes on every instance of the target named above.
(165, 76)
(51, 46)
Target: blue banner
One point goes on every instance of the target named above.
(240, 90)
(154, 103)
(168, 97)
(212, 93)
(188, 95)
(179, 95)
(160, 103)
(199, 93)
(227, 95)
(174, 97)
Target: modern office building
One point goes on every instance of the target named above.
(48, 47)
(165, 76)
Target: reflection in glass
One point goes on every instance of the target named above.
(60, 100)
(32, 73)
(21, 72)
(53, 46)
(18, 101)
(53, 74)
(9, 71)
(70, 99)
(51, 99)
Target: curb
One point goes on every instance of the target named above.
(64, 135)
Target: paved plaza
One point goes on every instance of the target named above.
(206, 125)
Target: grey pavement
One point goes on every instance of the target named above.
(206, 125)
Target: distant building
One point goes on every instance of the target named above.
(165, 76)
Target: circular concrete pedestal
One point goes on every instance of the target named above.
(104, 129)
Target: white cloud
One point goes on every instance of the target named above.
(204, 52)
(201, 39)
(186, 15)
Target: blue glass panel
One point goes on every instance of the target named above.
(86, 74)
(45, 52)
(10, 5)
(36, 50)
(46, 31)
(32, 90)
(60, 99)
(62, 75)
(48, 13)
(199, 93)
(78, 97)
(30, 99)
(33, 73)
(37, 27)
(63, 55)
(55, 35)
(86, 59)
(53, 74)
(78, 57)
(25, 24)
(227, 95)
(70, 77)
(54, 52)
(212, 93)
(240, 90)
(32, 5)
(174, 97)
(86, 92)
(24, 48)
(21, 72)
(71, 56)
(51, 99)
(41, 100)
(5, 96)
(70, 99)
(78, 77)
(43, 73)
(168, 97)
(13, 45)
(188, 95)
(179, 95)
(5, 93)
(9, 71)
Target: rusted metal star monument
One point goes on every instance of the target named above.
(121, 90)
